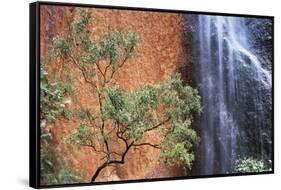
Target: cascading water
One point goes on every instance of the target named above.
(236, 96)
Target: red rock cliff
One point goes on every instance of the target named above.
(160, 53)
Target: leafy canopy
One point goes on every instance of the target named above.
(125, 117)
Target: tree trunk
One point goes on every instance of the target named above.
(98, 171)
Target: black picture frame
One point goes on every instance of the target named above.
(34, 92)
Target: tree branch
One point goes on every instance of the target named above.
(158, 125)
(110, 162)
(121, 65)
(147, 144)
(93, 147)
(102, 73)
(82, 69)
(119, 134)
(91, 118)
(106, 68)
(99, 100)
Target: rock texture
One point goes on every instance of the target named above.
(160, 53)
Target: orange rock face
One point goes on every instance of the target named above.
(160, 53)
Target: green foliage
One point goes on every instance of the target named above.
(178, 152)
(66, 176)
(116, 98)
(167, 108)
(114, 45)
(251, 165)
(62, 48)
(117, 44)
(52, 102)
(138, 111)
(52, 106)
(178, 145)
(52, 168)
(182, 100)
(55, 176)
(48, 160)
(81, 24)
(83, 114)
(132, 110)
(83, 136)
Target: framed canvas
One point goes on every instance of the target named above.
(122, 94)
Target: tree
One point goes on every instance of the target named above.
(122, 117)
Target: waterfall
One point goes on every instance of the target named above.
(234, 86)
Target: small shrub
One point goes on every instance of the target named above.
(251, 165)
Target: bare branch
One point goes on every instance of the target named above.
(93, 147)
(102, 73)
(108, 163)
(122, 161)
(106, 68)
(118, 154)
(147, 144)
